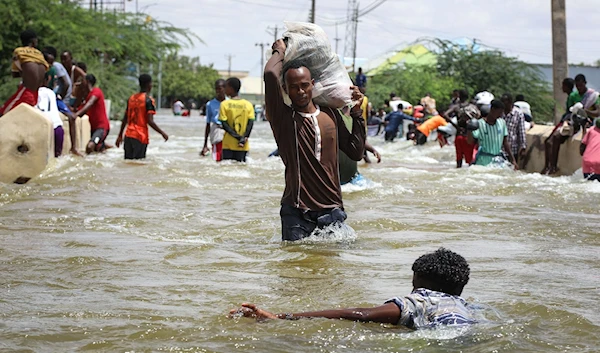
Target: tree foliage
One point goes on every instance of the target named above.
(411, 83)
(186, 79)
(113, 45)
(463, 67)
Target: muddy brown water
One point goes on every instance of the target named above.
(103, 255)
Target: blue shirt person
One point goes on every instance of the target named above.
(395, 121)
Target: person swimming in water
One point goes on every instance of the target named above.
(438, 281)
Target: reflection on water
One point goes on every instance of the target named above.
(100, 254)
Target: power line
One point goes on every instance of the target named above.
(371, 7)
(274, 31)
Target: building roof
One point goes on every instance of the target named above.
(414, 54)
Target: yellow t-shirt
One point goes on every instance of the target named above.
(23, 55)
(237, 113)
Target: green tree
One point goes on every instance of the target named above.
(464, 67)
(184, 78)
(113, 45)
(411, 83)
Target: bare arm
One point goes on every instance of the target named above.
(206, 133)
(372, 149)
(508, 151)
(386, 314)
(470, 139)
(156, 128)
(64, 85)
(594, 111)
(582, 149)
(87, 106)
(123, 125)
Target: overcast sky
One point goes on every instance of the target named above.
(518, 27)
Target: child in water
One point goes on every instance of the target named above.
(438, 281)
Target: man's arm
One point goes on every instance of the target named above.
(123, 125)
(471, 140)
(153, 125)
(386, 314)
(230, 130)
(582, 148)
(273, 96)
(65, 85)
(594, 111)
(87, 106)
(249, 125)
(508, 151)
(372, 149)
(206, 133)
(522, 133)
(352, 143)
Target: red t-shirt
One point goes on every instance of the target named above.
(97, 112)
(591, 156)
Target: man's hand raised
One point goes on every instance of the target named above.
(357, 97)
(279, 45)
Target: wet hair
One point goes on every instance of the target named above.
(219, 82)
(50, 50)
(234, 83)
(446, 270)
(91, 79)
(82, 66)
(580, 78)
(463, 95)
(27, 36)
(520, 98)
(294, 64)
(145, 80)
(497, 104)
(506, 97)
(569, 82)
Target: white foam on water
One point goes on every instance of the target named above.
(361, 185)
(334, 233)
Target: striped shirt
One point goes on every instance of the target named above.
(515, 123)
(491, 139)
(424, 308)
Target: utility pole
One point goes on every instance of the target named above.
(350, 39)
(229, 57)
(560, 65)
(355, 39)
(262, 68)
(312, 12)
(337, 38)
(274, 31)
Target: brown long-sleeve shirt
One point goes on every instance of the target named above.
(312, 180)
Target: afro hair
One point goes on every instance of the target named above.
(446, 269)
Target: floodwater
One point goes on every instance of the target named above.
(99, 254)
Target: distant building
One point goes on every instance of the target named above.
(591, 73)
(250, 85)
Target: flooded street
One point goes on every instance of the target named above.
(100, 254)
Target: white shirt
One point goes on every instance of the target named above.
(524, 106)
(47, 104)
(395, 103)
(178, 107)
